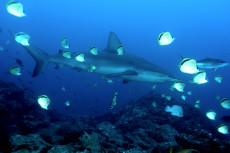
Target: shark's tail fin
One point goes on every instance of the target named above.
(41, 58)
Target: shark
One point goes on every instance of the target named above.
(107, 62)
(211, 63)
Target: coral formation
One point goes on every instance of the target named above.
(137, 127)
(90, 142)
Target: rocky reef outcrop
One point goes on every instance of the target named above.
(140, 126)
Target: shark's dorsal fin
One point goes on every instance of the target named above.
(113, 43)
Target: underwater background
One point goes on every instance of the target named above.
(201, 29)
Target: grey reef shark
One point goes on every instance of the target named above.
(211, 63)
(107, 62)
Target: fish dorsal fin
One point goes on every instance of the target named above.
(181, 56)
(113, 43)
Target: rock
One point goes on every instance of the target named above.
(61, 149)
(28, 143)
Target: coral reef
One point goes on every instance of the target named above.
(90, 142)
(140, 126)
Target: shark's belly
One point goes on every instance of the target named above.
(152, 77)
(206, 65)
(110, 70)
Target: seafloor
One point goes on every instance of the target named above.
(137, 127)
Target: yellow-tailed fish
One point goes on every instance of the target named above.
(187, 151)
(114, 101)
(43, 101)
(120, 50)
(165, 38)
(15, 70)
(222, 129)
(225, 103)
(200, 77)
(211, 114)
(63, 89)
(110, 81)
(64, 43)
(68, 104)
(154, 87)
(183, 97)
(93, 50)
(67, 54)
(22, 38)
(188, 65)
(179, 86)
(15, 8)
(168, 98)
(80, 58)
(154, 104)
(95, 84)
(189, 93)
(218, 78)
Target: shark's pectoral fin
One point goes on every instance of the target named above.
(125, 81)
(77, 69)
(58, 66)
(122, 73)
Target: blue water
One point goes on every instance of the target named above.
(201, 29)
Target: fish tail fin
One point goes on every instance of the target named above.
(41, 58)
(168, 108)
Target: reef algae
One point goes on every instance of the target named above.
(136, 127)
